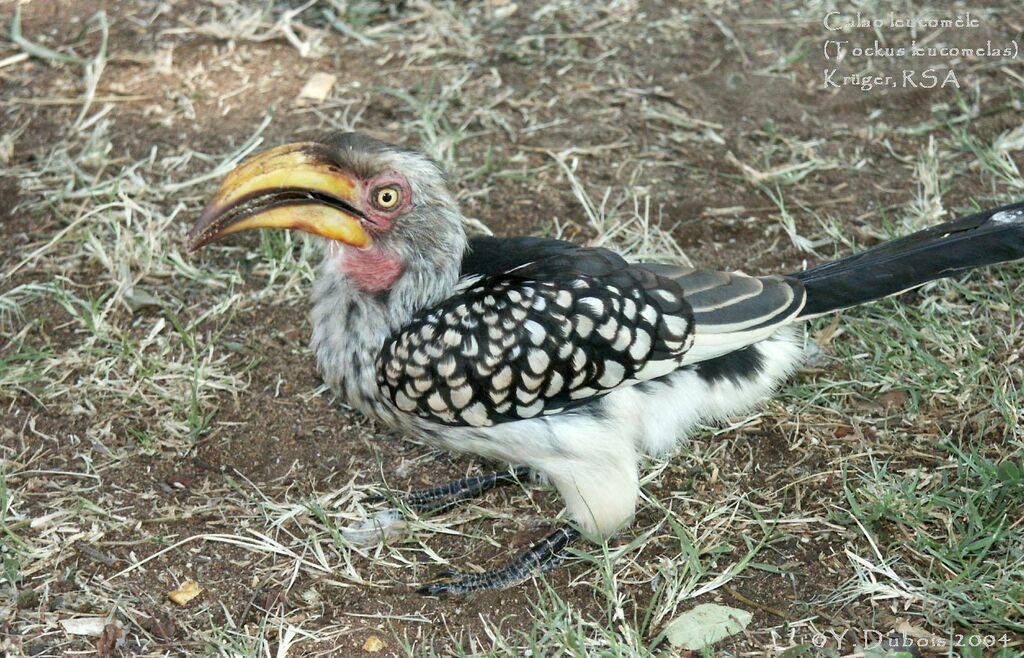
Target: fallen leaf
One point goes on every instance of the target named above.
(706, 624)
(188, 591)
(85, 625)
(318, 87)
(374, 644)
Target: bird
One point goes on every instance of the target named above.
(562, 361)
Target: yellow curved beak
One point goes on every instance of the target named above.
(292, 186)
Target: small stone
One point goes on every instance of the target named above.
(374, 644)
(317, 88)
(188, 591)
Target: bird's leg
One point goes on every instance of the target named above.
(540, 557)
(447, 496)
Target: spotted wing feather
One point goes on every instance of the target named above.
(548, 335)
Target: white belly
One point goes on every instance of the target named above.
(591, 455)
(665, 411)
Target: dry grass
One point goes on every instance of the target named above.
(162, 421)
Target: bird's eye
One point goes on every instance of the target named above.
(387, 197)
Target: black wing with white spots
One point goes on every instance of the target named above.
(544, 337)
(542, 326)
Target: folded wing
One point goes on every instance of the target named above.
(540, 327)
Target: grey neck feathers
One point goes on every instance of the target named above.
(350, 326)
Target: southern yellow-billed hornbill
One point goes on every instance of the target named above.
(564, 360)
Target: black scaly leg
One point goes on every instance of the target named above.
(447, 496)
(540, 557)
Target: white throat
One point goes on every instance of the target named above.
(350, 325)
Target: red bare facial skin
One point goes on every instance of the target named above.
(381, 219)
(373, 270)
(376, 269)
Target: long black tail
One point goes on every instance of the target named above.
(986, 238)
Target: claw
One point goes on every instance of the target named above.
(439, 590)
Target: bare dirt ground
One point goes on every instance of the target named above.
(162, 419)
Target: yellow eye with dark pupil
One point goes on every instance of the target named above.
(387, 197)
